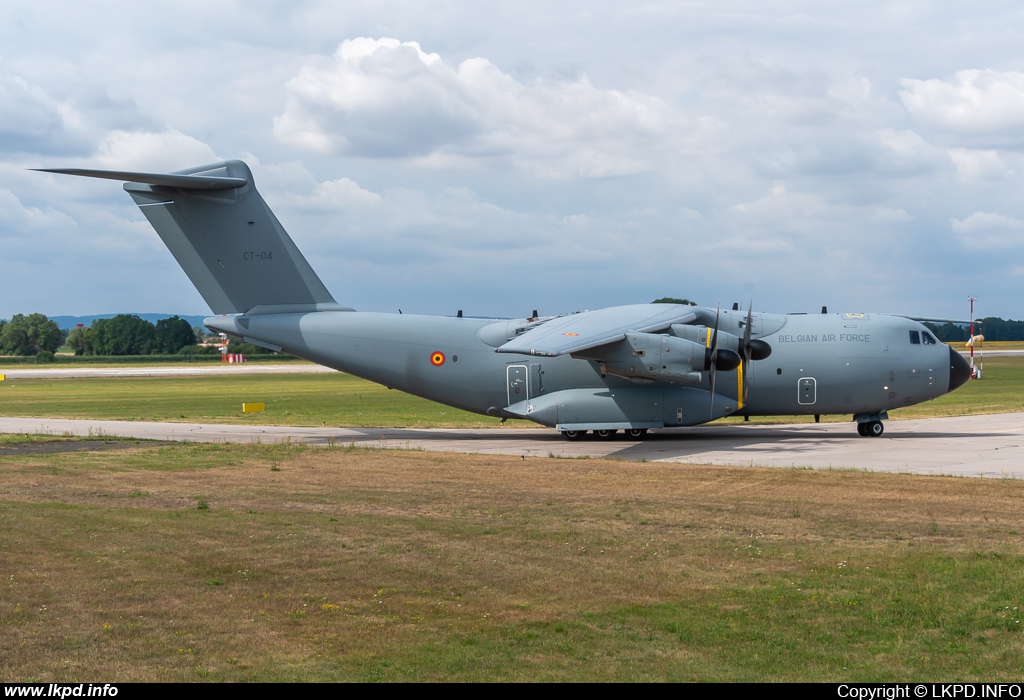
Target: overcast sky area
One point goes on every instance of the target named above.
(507, 156)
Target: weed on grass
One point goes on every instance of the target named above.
(300, 399)
(367, 564)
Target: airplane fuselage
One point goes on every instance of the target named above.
(860, 364)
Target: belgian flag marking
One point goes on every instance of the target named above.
(437, 359)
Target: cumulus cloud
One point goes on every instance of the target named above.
(906, 151)
(342, 194)
(386, 98)
(974, 164)
(151, 151)
(744, 145)
(984, 229)
(31, 120)
(21, 219)
(979, 105)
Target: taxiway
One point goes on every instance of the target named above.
(181, 370)
(984, 446)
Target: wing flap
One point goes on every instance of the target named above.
(590, 329)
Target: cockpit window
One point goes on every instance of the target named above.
(915, 338)
(928, 339)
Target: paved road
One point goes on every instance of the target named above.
(182, 370)
(993, 353)
(989, 446)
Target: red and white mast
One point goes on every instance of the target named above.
(975, 371)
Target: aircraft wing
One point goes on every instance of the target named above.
(569, 334)
(926, 319)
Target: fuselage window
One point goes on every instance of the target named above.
(928, 339)
(915, 338)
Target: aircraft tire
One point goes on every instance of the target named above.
(862, 429)
(875, 428)
(636, 433)
(573, 435)
(605, 434)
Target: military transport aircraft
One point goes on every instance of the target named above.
(629, 368)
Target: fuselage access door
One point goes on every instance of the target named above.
(518, 383)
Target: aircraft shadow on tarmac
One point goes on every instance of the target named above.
(791, 441)
(788, 441)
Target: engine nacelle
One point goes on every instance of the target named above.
(759, 349)
(650, 357)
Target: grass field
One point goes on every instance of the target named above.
(344, 400)
(220, 562)
(291, 399)
(124, 561)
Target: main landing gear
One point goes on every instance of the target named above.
(871, 429)
(870, 424)
(630, 433)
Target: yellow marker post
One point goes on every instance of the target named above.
(253, 407)
(3, 377)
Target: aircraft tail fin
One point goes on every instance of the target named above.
(226, 238)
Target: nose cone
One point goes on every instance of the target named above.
(959, 370)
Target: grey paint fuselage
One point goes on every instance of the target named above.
(819, 364)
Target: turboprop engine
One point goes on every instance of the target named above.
(730, 347)
(650, 357)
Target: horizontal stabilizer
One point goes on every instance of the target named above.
(184, 182)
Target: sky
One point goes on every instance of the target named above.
(503, 157)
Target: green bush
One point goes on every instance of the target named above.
(199, 350)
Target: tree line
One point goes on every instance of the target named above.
(992, 328)
(29, 335)
(126, 334)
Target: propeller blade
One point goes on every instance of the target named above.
(714, 358)
(745, 353)
(750, 322)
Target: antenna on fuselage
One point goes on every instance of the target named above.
(824, 309)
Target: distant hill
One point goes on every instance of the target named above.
(69, 322)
